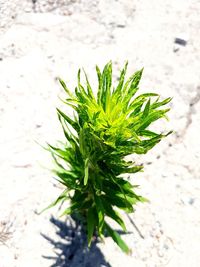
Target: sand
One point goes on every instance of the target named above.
(42, 40)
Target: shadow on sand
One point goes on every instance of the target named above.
(71, 248)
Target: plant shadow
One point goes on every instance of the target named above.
(71, 250)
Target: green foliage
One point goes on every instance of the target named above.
(91, 162)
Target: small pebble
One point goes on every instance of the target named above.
(165, 246)
(180, 41)
(191, 201)
(121, 25)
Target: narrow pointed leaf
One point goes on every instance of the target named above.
(62, 197)
(90, 224)
(70, 121)
(118, 240)
(146, 109)
(86, 171)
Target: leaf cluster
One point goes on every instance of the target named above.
(91, 162)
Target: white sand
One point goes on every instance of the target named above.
(35, 48)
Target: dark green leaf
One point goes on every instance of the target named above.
(70, 121)
(110, 212)
(116, 237)
(100, 212)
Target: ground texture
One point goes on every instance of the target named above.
(41, 40)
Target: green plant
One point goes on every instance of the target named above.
(91, 162)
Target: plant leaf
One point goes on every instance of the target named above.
(100, 212)
(70, 121)
(62, 197)
(86, 171)
(110, 212)
(90, 224)
(116, 237)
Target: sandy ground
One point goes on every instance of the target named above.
(43, 40)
